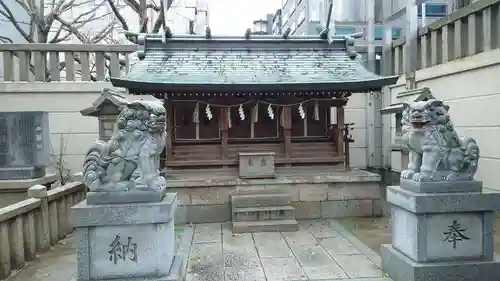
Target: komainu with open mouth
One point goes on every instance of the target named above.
(130, 159)
(437, 153)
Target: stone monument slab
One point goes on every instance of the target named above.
(24, 145)
(256, 165)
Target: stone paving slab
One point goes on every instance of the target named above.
(322, 250)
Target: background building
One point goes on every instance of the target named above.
(349, 16)
(188, 16)
(277, 24)
(263, 26)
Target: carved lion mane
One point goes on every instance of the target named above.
(436, 150)
(129, 160)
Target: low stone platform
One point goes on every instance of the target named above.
(315, 192)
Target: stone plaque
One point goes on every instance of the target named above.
(454, 236)
(256, 165)
(124, 251)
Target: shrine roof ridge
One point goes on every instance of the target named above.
(257, 38)
(259, 63)
(159, 42)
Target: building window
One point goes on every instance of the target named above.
(293, 26)
(433, 10)
(396, 32)
(315, 10)
(284, 18)
(399, 124)
(342, 30)
(379, 32)
(301, 17)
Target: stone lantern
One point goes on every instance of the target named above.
(107, 107)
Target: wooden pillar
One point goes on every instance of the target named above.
(170, 130)
(223, 127)
(340, 126)
(287, 131)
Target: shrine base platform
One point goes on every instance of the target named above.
(315, 192)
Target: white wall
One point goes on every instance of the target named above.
(355, 112)
(471, 86)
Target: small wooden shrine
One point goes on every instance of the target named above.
(260, 93)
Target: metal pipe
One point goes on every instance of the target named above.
(330, 8)
(424, 17)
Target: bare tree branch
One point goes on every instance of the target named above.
(4, 39)
(7, 13)
(119, 16)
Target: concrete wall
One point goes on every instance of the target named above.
(64, 101)
(472, 89)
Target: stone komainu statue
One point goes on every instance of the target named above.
(130, 159)
(437, 153)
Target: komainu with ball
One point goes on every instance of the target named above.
(130, 159)
(437, 153)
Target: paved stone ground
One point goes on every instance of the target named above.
(320, 250)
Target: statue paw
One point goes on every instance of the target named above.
(421, 177)
(452, 177)
(160, 183)
(407, 174)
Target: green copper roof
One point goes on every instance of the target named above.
(262, 63)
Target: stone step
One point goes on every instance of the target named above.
(263, 213)
(259, 200)
(265, 226)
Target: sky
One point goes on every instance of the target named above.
(233, 17)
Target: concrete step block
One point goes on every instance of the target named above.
(259, 200)
(263, 213)
(265, 226)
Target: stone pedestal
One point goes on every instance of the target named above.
(441, 236)
(133, 241)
